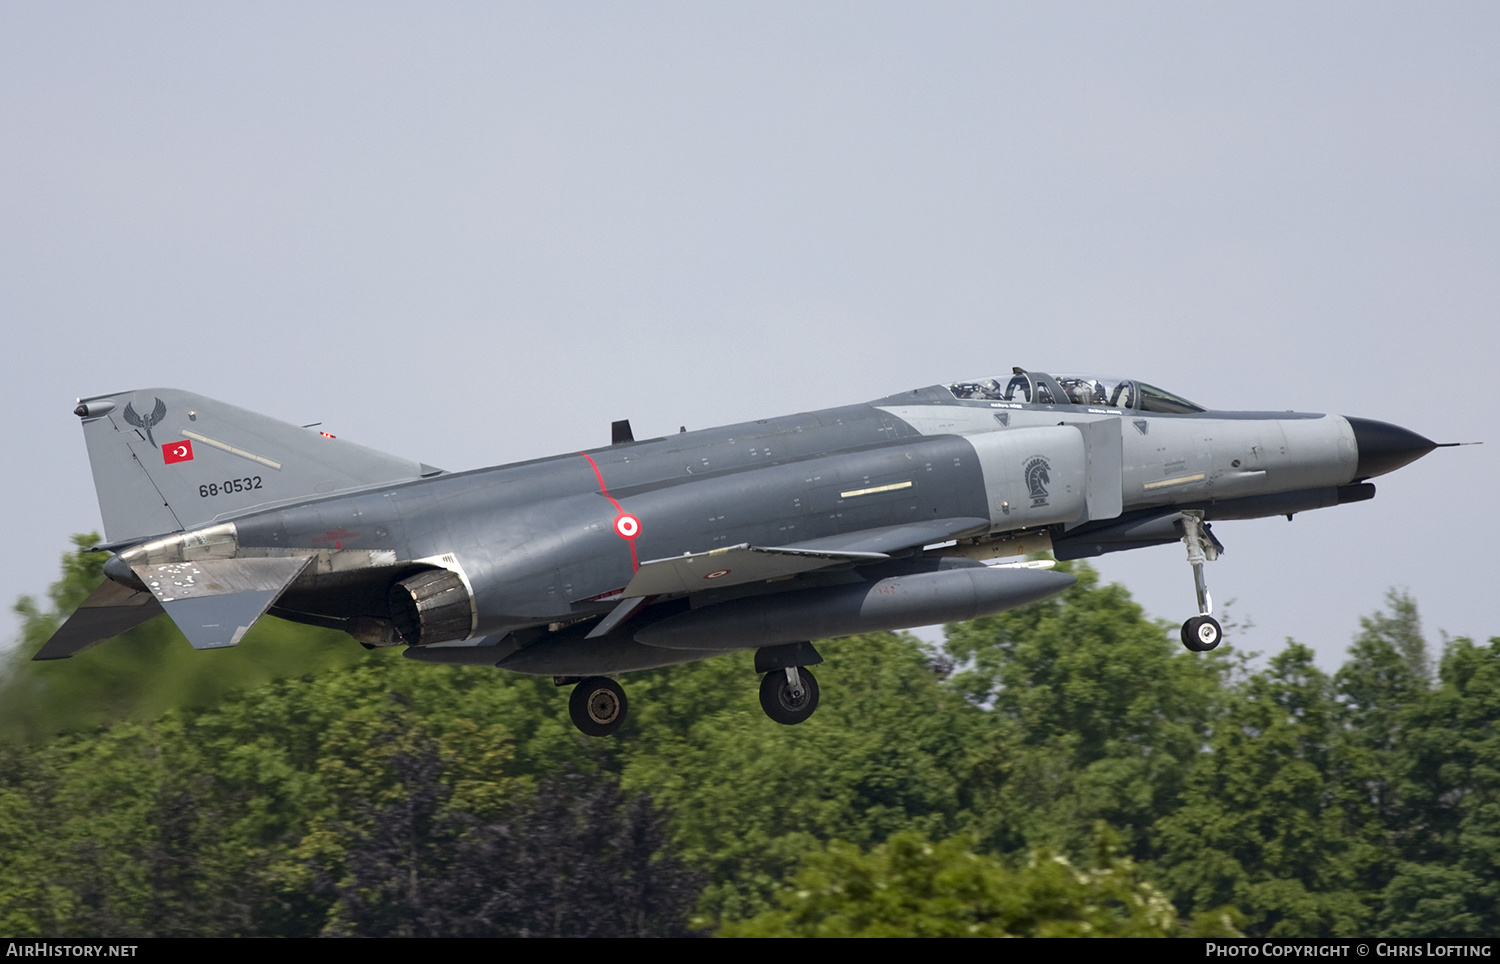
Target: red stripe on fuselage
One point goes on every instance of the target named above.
(634, 564)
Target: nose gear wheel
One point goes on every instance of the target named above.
(1202, 633)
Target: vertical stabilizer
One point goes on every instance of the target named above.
(165, 460)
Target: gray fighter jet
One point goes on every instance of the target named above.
(764, 535)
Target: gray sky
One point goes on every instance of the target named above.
(477, 233)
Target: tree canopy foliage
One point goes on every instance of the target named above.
(1066, 768)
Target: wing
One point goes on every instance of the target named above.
(737, 565)
(734, 565)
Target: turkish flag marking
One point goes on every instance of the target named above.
(177, 452)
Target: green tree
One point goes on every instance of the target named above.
(1264, 822)
(1449, 788)
(890, 749)
(1387, 673)
(146, 671)
(577, 860)
(911, 887)
(224, 820)
(294, 784)
(1097, 713)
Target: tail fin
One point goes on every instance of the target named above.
(166, 460)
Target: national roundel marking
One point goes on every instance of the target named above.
(717, 574)
(628, 526)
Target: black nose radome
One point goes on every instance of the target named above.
(1384, 447)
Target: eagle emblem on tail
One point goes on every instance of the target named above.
(145, 422)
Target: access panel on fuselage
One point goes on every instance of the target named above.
(1033, 476)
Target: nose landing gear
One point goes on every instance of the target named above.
(1203, 632)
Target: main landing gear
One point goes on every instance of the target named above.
(597, 706)
(1203, 632)
(789, 695)
(788, 691)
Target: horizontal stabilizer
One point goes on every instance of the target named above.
(110, 610)
(216, 601)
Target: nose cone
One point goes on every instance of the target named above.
(1384, 447)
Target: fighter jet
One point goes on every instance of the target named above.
(928, 506)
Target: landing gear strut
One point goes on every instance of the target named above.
(1203, 632)
(597, 706)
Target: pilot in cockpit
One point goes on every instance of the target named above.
(1083, 391)
(987, 388)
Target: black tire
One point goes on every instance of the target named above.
(777, 700)
(597, 706)
(1202, 633)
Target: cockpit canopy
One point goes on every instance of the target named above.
(1039, 388)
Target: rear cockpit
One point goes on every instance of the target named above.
(1039, 388)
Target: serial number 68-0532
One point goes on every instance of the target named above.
(228, 486)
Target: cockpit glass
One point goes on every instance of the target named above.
(1153, 399)
(1040, 388)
